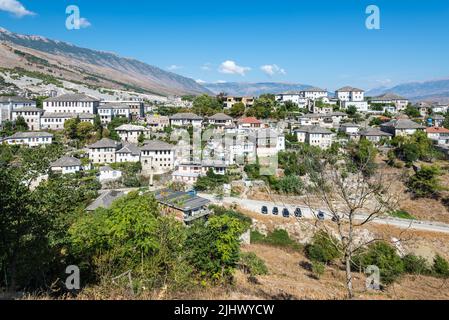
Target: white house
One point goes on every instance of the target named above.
(314, 93)
(31, 115)
(109, 111)
(157, 122)
(349, 128)
(269, 142)
(66, 165)
(391, 99)
(8, 104)
(438, 134)
(401, 127)
(157, 157)
(315, 136)
(185, 120)
(350, 96)
(221, 120)
(129, 153)
(374, 135)
(72, 103)
(439, 108)
(107, 174)
(326, 120)
(295, 97)
(131, 133)
(103, 151)
(31, 139)
(249, 123)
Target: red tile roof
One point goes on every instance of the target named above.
(437, 130)
(250, 120)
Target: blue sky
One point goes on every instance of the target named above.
(323, 43)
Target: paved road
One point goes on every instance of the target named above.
(256, 206)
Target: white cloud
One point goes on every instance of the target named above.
(199, 81)
(272, 69)
(84, 23)
(220, 81)
(15, 7)
(230, 67)
(174, 67)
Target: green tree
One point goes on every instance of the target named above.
(412, 112)
(84, 130)
(206, 105)
(214, 247)
(384, 256)
(21, 124)
(324, 248)
(425, 182)
(71, 128)
(237, 110)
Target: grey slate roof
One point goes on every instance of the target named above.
(66, 162)
(314, 89)
(370, 132)
(220, 117)
(28, 109)
(180, 200)
(187, 116)
(350, 125)
(104, 143)
(402, 124)
(156, 145)
(5, 99)
(130, 148)
(116, 105)
(350, 89)
(313, 129)
(105, 200)
(25, 135)
(72, 98)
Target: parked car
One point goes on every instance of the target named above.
(264, 210)
(275, 211)
(285, 213)
(321, 215)
(298, 213)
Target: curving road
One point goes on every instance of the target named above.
(256, 206)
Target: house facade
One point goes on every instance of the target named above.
(30, 139)
(31, 115)
(72, 103)
(103, 151)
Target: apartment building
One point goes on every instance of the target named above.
(157, 157)
(72, 103)
(230, 101)
(103, 151)
(315, 136)
(31, 115)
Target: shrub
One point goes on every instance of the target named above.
(415, 265)
(324, 248)
(318, 269)
(252, 264)
(440, 267)
(277, 238)
(383, 256)
(402, 214)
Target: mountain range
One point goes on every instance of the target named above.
(69, 62)
(433, 91)
(254, 89)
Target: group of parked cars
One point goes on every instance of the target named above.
(286, 213)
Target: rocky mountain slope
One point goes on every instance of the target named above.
(97, 68)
